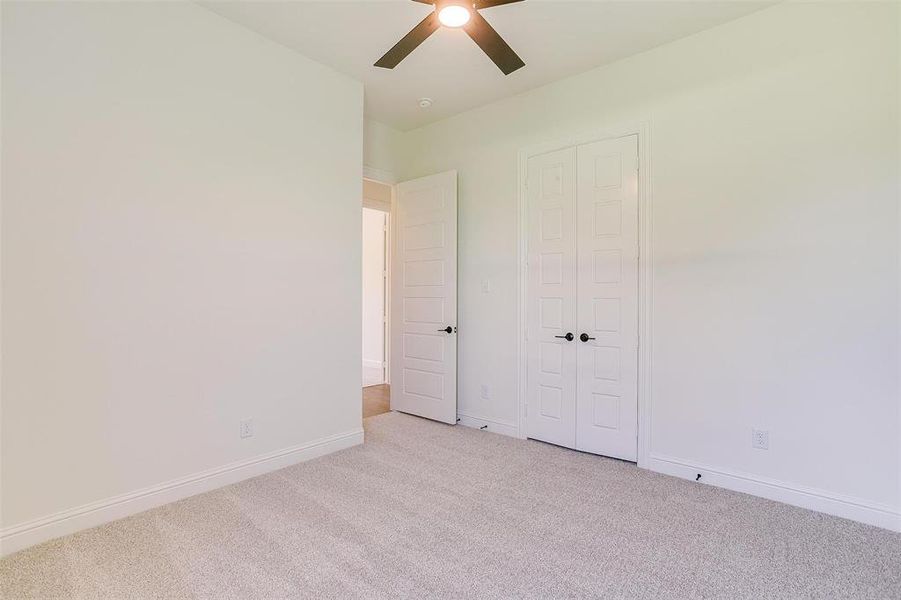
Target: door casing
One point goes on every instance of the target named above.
(386, 178)
(642, 130)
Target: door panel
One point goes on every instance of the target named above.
(424, 298)
(551, 308)
(607, 299)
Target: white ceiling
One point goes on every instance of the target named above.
(555, 38)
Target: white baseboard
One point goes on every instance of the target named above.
(493, 425)
(373, 373)
(813, 499)
(21, 536)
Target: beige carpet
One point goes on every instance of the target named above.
(425, 510)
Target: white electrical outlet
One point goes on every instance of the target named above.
(485, 392)
(247, 428)
(486, 285)
(760, 439)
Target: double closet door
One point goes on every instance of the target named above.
(582, 298)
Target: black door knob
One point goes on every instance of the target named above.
(584, 337)
(447, 329)
(568, 337)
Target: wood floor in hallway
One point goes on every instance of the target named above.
(376, 400)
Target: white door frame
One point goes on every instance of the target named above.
(641, 129)
(386, 178)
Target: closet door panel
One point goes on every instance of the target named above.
(551, 298)
(607, 298)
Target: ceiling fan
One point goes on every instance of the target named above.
(457, 13)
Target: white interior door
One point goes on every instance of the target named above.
(607, 298)
(551, 308)
(424, 298)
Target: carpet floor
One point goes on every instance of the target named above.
(424, 510)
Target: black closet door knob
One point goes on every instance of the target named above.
(584, 337)
(447, 329)
(568, 337)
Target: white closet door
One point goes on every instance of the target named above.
(551, 309)
(424, 299)
(607, 298)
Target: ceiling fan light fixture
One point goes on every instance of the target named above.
(454, 15)
(457, 13)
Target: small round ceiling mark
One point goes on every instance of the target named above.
(425, 102)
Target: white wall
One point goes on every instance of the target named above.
(181, 251)
(376, 195)
(373, 296)
(381, 147)
(775, 188)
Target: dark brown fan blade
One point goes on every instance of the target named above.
(433, 1)
(492, 44)
(480, 4)
(408, 43)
